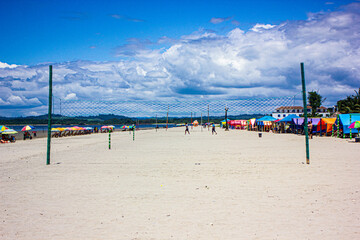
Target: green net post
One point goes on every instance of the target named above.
(133, 132)
(109, 138)
(338, 126)
(305, 114)
(332, 130)
(350, 128)
(49, 117)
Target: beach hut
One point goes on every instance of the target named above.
(286, 124)
(238, 124)
(265, 123)
(223, 122)
(345, 121)
(251, 124)
(325, 125)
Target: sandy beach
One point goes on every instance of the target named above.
(165, 185)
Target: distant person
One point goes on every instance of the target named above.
(187, 128)
(213, 129)
(310, 126)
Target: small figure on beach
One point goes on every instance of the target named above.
(187, 128)
(213, 129)
(27, 135)
(310, 129)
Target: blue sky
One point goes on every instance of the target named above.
(152, 50)
(56, 31)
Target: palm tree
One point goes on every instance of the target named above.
(351, 104)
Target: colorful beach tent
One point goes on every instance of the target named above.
(237, 123)
(195, 123)
(252, 121)
(325, 124)
(345, 121)
(289, 118)
(265, 121)
(223, 122)
(299, 121)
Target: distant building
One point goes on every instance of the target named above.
(282, 112)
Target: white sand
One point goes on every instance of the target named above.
(245, 187)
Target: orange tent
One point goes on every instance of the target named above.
(325, 124)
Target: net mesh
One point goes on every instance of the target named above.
(74, 108)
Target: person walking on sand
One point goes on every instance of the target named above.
(213, 129)
(187, 128)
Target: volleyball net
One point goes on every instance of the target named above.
(174, 108)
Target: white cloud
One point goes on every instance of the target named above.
(5, 65)
(71, 96)
(260, 27)
(261, 62)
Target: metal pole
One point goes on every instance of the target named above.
(338, 126)
(156, 123)
(226, 122)
(109, 138)
(350, 128)
(305, 114)
(60, 106)
(53, 104)
(49, 117)
(201, 122)
(191, 121)
(133, 132)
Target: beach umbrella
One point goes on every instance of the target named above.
(104, 127)
(355, 124)
(3, 128)
(27, 128)
(111, 126)
(55, 130)
(9, 131)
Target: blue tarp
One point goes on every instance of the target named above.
(289, 118)
(345, 121)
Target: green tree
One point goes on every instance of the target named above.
(315, 101)
(351, 104)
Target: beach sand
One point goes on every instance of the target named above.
(165, 185)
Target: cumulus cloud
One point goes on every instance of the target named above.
(5, 65)
(261, 62)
